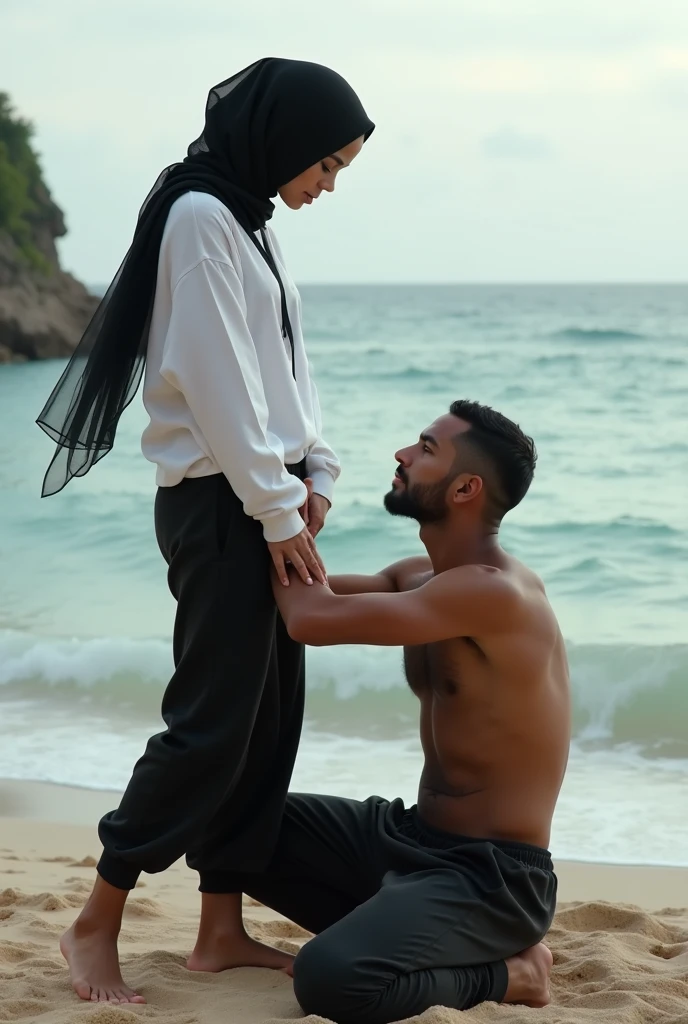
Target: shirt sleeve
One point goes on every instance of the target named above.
(321, 462)
(211, 359)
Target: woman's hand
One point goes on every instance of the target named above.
(318, 507)
(314, 509)
(303, 555)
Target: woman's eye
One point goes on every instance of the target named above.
(325, 168)
(426, 449)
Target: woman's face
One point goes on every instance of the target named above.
(304, 189)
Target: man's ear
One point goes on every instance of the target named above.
(467, 487)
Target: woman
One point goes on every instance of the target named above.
(204, 300)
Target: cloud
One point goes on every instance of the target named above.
(508, 144)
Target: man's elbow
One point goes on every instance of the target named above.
(304, 628)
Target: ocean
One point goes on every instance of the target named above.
(597, 374)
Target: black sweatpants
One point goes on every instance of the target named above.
(406, 917)
(213, 784)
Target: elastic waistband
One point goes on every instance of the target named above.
(413, 826)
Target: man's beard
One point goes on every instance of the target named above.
(423, 502)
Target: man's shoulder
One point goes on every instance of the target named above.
(513, 579)
(510, 583)
(476, 581)
(509, 594)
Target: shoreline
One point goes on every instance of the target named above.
(37, 810)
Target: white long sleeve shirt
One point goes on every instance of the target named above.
(219, 388)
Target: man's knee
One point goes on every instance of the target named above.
(327, 984)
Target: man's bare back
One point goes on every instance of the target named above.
(495, 718)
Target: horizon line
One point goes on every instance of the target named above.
(494, 284)
(470, 284)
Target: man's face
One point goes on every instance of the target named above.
(425, 471)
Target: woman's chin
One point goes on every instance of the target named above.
(292, 204)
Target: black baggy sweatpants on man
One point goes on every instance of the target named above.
(406, 917)
(213, 785)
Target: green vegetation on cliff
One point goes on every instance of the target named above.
(24, 199)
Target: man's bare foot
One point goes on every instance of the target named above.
(223, 951)
(529, 977)
(91, 953)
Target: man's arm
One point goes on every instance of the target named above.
(351, 583)
(384, 582)
(469, 601)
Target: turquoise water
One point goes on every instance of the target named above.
(598, 375)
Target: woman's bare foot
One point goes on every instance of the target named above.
(223, 951)
(529, 977)
(94, 965)
(222, 941)
(90, 948)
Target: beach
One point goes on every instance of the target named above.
(620, 938)
(504, 235)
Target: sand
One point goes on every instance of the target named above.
(620, 938)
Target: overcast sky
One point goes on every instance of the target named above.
(517, 140)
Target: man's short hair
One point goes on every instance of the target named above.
(510, 452)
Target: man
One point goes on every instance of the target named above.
(446, 903)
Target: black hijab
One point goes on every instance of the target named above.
(263, 127)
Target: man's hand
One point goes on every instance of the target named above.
(314, 509)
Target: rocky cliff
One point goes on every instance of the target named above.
(43, 310)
